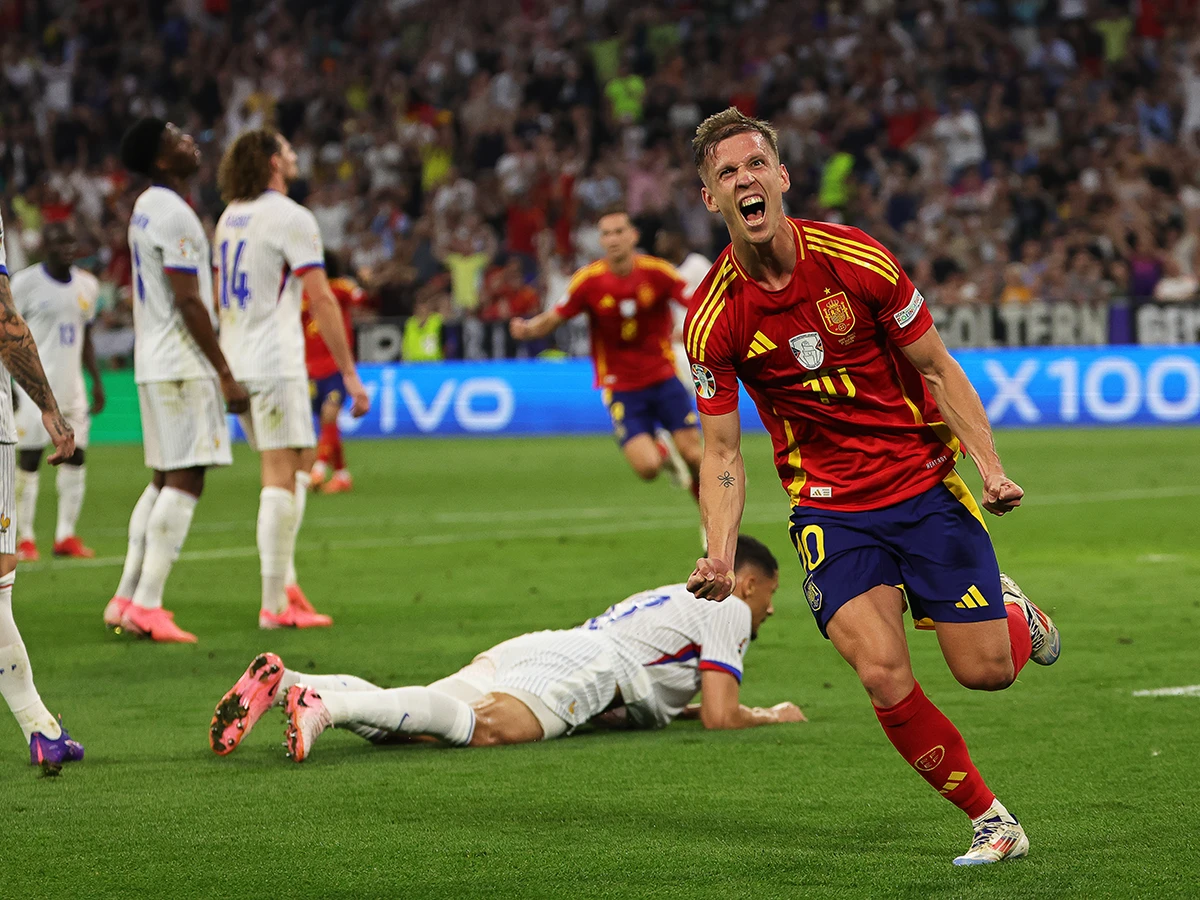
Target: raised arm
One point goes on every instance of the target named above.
(20, 356)
(538, 327)
(185, 286)
(964, 414)
(720, 709)
(722, 500)
(328, 315)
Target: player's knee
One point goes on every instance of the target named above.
(77, 457)
(886, 683)
(989, 674)
(646, 469)
(28, 460)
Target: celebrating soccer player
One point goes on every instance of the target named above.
(269, 253)
(868, 413)
(627, 297)
(184, 383)
(58, 301)
(49, 744)
(638, 664)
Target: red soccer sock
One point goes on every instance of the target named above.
(325, 444)
(931, 744)
(1018, 635)
(339, 457)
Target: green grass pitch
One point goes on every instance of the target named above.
(446, 547)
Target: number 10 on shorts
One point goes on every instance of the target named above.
(810, 544)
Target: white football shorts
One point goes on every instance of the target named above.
(280, 416)
(564, 677)
(8, 498)
(184, 425)
(31, 433)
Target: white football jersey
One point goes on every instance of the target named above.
(8, 424)
(263, 247)
(165, 235)
(672, 637)
(58, 313)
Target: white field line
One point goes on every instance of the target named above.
(422, 540)
(1191, 690)
(756, 514)
(477, 517)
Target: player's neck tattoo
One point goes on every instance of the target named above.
(726, 479)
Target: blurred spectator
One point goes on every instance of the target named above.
(422, 341)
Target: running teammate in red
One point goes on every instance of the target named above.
(868, 413)
(329, 472)
(627, 297)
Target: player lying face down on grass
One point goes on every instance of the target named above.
(639, 664)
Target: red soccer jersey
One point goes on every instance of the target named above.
(851, 421)
(630, 319)
(316, 355)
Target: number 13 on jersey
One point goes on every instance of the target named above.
(233, 279)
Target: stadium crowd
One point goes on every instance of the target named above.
(456, 153)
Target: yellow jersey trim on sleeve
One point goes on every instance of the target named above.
(856, 248)
(589, 271)
(724, 274)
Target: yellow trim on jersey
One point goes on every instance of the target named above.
(858, 248)
(820, 248)
(702, 324)
(759, 345)
(799, 238)
(941, 429)
(589, 271)
(796, 461)
(707, 331)
(704, 308)
(962, 494)
(654, 262)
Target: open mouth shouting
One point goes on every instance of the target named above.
(753, 208)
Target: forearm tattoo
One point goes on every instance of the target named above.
(19, 353)
(726, 479)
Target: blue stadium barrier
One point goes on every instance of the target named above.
(1020, 388)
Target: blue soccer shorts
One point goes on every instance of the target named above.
(321, 388)
(935, 546)
(666, 404)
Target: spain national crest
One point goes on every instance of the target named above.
(812, 594)
(837, 313)
(930, 759)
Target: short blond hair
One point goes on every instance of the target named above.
(726, 124)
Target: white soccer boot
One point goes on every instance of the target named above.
(998, 836)
(1043, 634)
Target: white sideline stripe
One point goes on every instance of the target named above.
(475, 517)
(1191, 690)
(758, 514)
(424, 540)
